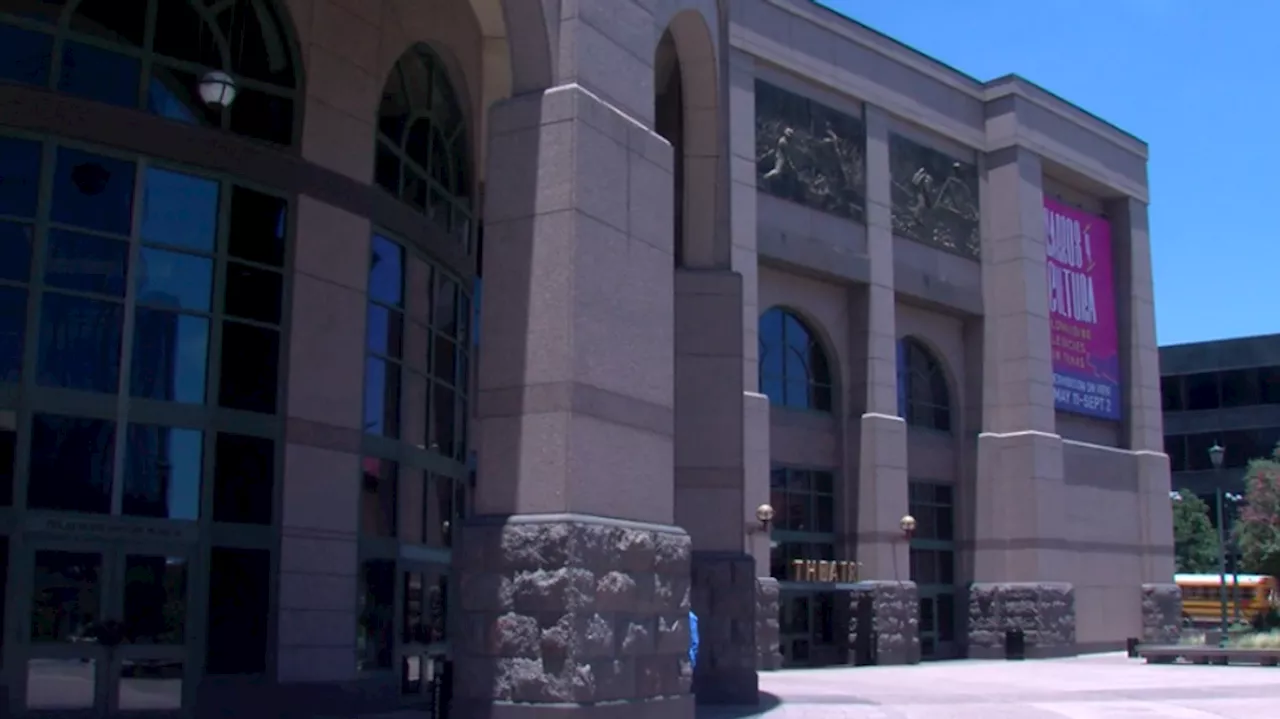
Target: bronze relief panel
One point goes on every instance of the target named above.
(809, 153)
(934, 197)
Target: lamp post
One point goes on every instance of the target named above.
(1216, 453)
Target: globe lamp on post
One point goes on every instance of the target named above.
(1216, 455)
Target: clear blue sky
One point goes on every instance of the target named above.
(1198, 80)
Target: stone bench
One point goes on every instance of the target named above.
(1209, 655)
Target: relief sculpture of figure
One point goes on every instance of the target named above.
(781, 156)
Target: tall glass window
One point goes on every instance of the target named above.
(422, 151)
(120, 275)
(794, 371)
(805, 524)
(923, 397)
(226, 65)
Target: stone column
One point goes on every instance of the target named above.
(319, 528)
(1142, 414)
(882, 434)
(574, 581)
(1019, 487)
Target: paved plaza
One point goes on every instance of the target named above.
(1109, 686)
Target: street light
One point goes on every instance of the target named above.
(1216, 453)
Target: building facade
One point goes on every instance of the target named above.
(356, 354)
(1224, 392)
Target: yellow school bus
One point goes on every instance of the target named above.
(1202, 600)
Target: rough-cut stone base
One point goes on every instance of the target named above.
(1161, 613)
(884, 623)
(1044, 611)
(768, 631)
(724, 598)
(571, 611)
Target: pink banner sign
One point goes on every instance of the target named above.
(1082, 312)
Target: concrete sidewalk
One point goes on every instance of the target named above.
(1109, 686)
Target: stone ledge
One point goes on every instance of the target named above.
(1043, 611)
(768, 628)
(724, 598)
(884, 623)
(1161, 613)
(570, 609)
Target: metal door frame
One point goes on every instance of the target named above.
(109, 662)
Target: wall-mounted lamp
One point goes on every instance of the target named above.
(764, 516)
(217, 89)
(908, 526)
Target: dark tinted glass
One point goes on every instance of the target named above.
(384, 333)
(13, 327)
(446, 306)
(174, 280)
(259, 224)
(386, 272)
(239, 605)
(179, 210)
(71, 464)
(15, 250)
(1176, 447)
(8, 455)
(175, 95)
(155, 600)
(93, 191)
(80, 343)
(86, 263)
(25, 56)
(1203, 391)
(243, 479)
(120, 21)
(253, 293)
(263, 116)
(97, 74)
(378, 486)
(377, 614)
(250, 368)
(19, 175)
(1171, 393)
(381, 397)
(1240, 388)
(162, 472)
(170, 356)
(443, 418)
(183, 35)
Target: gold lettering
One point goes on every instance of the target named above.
(810, 571)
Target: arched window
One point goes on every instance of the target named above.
(223, 64)
(422, 153)
(793, 366)
(923, 398)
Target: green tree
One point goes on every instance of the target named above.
(1257, 531)
(1195, 542)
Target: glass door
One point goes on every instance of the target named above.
(423, 646)
(105, 631)
(937, 622)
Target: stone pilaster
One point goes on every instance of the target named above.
(1143, 419)
(1161, 613)
(1043, 611)
(884, 623)
(568, 609)
(882, 434)
(768, 630)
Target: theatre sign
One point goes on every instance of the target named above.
(823, 570)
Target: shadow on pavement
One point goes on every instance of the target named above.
(766, 703)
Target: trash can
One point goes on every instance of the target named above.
(1131, 646)
(1015, 645)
